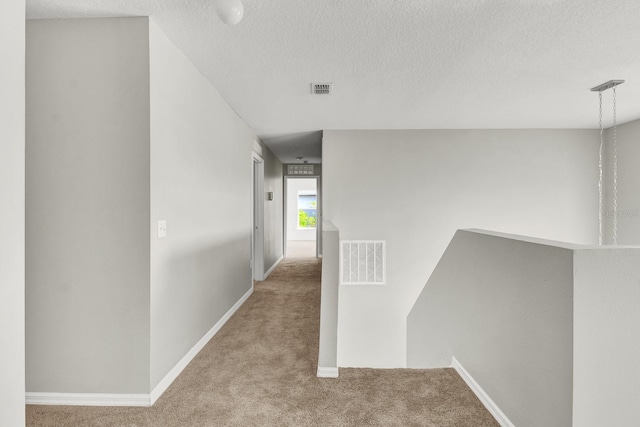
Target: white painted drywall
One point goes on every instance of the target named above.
(606, 344)
(295, 185)
(12, 194)
(415, 188)
(328, 346)
(318, 172)
(628, 147)
(87, 206)
(503, 307)
(273, 209)
(201, 185)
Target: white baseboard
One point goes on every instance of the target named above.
(164, 384)
(107, 399)
(273, 267)
(491, 406)
(324, 372)
(87, 399)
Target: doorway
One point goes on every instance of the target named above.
(302, 217)
(257, 207)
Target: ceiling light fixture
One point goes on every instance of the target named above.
(230, 11)
(611, 84)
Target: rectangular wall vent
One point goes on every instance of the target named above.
(300, 170)
(362, 262)
(321, 88)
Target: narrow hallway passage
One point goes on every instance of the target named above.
(259, 370)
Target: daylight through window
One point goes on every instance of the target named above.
(307, 209)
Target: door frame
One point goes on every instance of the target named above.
(318, 211)
(257, 213)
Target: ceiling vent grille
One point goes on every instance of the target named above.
(321, 88)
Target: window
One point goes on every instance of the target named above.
(300, 170)
(307, 209)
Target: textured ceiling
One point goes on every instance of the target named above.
(402, 64)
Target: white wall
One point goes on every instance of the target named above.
(502, 305)
(628, 184)
(12, 189)
(318, 171)
(294, 185)
(201, 185)
(606, 344)
(123, 131)
(415, 188)
(328, 343)
(87, 207)
(273, 209)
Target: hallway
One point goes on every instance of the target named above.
(260, 370)
(301, 249)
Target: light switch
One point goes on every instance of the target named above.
(162, 229)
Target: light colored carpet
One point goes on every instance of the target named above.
(301, 248)
(259, 370)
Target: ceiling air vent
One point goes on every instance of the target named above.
(321, 88)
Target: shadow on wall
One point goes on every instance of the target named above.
(503, 307)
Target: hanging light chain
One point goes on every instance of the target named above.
(611, 84)
(615, 171)
(600, 178)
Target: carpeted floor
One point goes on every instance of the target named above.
(259, 370)
(301, 248)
